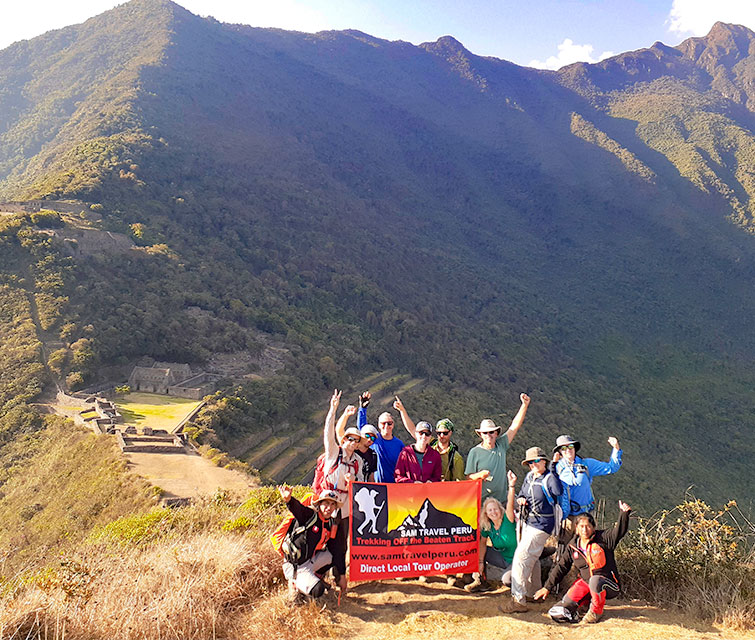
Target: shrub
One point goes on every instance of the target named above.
(692, 557)
(47, 219)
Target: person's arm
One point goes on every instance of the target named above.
(510, 512)
(401, 472)
(457, 472)
(553, 484)
(437, 474)
(516, 423)
(478, 475)
(408, 422)
(337, 548)
(611, 537)
(299, 511)
(599, 468)
(331, 446)
(364, 400)
(348, 413)
(557, 574)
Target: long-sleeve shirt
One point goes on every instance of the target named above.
(576, 480)
(387, 451)
(336, 466)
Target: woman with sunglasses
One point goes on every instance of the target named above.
(539, 494)
(342, 465)
(576, 476)
(419, 462)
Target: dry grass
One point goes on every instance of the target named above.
(206, 585)
(696, 559)
(165, 575)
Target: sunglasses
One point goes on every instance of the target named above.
(536, 461)
(385, 424)
(353, 439)
(369, 436)
(427, 434)
(443, 433)
(566, 446)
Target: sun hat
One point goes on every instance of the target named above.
(563, 441)
(487, 425)
(533, 453)
(351, 431)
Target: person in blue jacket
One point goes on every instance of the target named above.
(576, 475)
(386, 445)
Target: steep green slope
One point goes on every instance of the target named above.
(375, 205)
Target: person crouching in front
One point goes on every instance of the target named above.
(314, 543)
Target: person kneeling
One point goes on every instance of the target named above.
(313, 544)
(592, 553)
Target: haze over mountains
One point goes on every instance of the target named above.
(583, 235)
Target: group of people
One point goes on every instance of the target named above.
(555, 499)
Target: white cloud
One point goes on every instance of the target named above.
(569, 52)
(696, 17)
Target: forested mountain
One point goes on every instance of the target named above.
(585, 235)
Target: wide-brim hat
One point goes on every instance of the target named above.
(327, 494)
(563, 441)
(487, 425)
(533, 453)
(352, 431)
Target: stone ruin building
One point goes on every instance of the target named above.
(173, 379)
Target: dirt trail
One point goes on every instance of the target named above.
(187, 475)
(399, 610)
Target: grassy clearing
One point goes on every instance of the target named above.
(155, 410)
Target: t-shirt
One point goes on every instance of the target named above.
(419, 455)
(387, 457)
(503, 539)
(494, 460)
(457, 472)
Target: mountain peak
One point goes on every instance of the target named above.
(446, 46)
(726, 44)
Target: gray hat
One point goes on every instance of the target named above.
(368, 429)
(563, 441)
(487, 425)
(533, 453)
(423, 426)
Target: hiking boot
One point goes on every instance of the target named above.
(422, 579)
(451, 581)
(514, 606)
(591, 617)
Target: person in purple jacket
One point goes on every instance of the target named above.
(419, 462)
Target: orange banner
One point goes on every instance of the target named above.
(410, 530)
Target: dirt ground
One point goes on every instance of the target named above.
(186, 475)
(399, 610)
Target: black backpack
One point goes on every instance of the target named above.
(294, 547)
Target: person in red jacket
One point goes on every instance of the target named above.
(592, 553)
(419, 462)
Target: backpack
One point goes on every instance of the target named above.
(294, 546)
(318, 484)
(278, 537)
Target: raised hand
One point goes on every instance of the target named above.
(285, 492)
(350, 411)
(624, 506)
(335, 399)
(364, 399)
(511, 478)
(398, 405)
(613, 442)
(525, 399)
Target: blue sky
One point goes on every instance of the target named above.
(543, 33)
